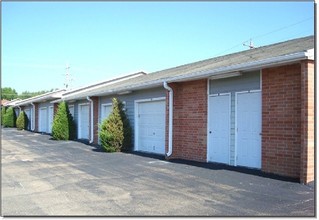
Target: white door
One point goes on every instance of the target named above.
(28, 113)
(219, 128)
(248, 134)
(106, 109)
(51, 115)
(151, 127)
(43, 120)
(84, 121)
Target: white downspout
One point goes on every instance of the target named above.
(33, 117)
(170, 120)
(91, 136)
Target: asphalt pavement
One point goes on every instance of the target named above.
(43, 177)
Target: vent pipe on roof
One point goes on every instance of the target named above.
(91, 135)
(170, 120)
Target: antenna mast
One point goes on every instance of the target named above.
(251, 45)
(68, 79)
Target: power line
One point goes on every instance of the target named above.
(282, 28)
(268, 33)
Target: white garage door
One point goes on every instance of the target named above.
(106, 109)
(50, 119)
(219, 128)
(43, 125)
(84, 122)
(151, 127)
(28, 113)
(249, 129)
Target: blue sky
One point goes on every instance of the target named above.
(101, 40)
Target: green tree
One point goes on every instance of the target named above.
(114, 130)
(22, 121)
(3, 112)
(10, 118)
(8, 93)
(63, 125)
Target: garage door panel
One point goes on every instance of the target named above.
(249, 129)
(151, 127)
(219, 126)
(84, 122)
(43, 125)
(106, 111)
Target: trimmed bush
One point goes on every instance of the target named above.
(10, 118)
(3, 112)
(22, 121)
(115, 133)
(63, 126)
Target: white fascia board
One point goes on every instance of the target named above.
(12, 102)
(311, 54)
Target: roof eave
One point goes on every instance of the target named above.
(44, 97)
(248, 66)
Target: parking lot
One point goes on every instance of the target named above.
(43, 177)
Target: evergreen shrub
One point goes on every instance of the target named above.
(3, 112)
(22, 121)
(10, 118)
(63, 125)
(115, 131)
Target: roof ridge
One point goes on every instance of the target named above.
(114, 79)
(243, 52)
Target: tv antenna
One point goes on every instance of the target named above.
(250, 45)
(68, 78)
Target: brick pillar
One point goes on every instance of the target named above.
(307, 122)
(281, 122)
(36, 117)
(95, 119)
(55, 108)
(189, 120)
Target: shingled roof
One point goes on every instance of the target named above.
(252, 59)
(41, 98)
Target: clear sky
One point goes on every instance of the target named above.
(101, 40)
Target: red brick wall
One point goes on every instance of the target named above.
(190, 120)
(307, 122)
(55, 108)
(281, 121)
(95, 119)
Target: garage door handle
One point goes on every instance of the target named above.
(260, 133)
(210, 132)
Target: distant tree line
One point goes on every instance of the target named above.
(9, 93)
